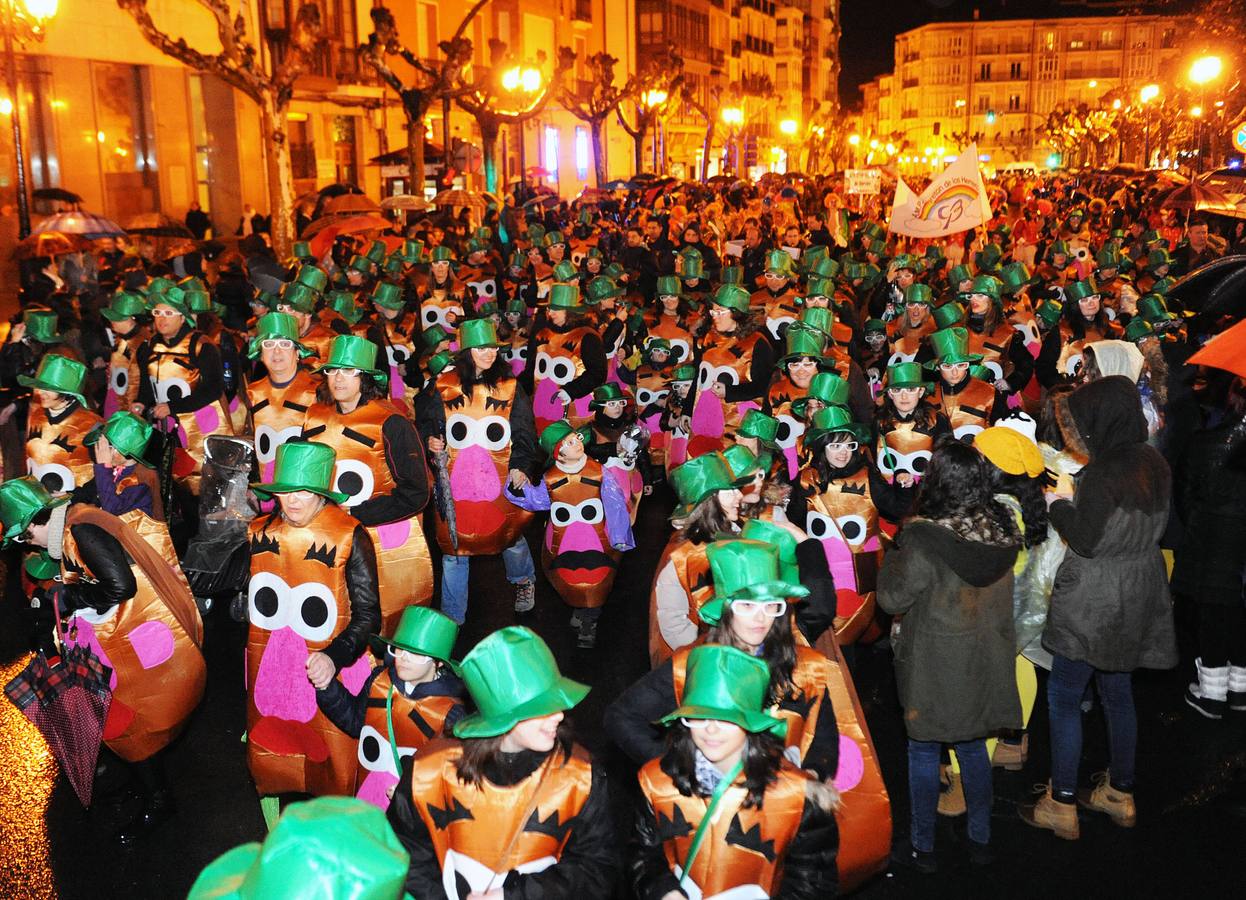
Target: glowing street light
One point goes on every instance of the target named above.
(891, 149)
(789, 127)
(1093, 84)
(34, 17)
(854, 139)
(525, 79)
(1116, 104)
(654, 98)
(1205, 69)
(733, 115)
(1196, 112)
(1148, 93)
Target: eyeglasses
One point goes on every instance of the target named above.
(164, 313)
(277, 344)
(903, 390)
(839, 448)
(954, 367)
(772, 608)
(22, 538)
(697, 724)
(349, 373)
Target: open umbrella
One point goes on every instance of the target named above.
(348, 204)
(157, 225)
(538, 172)
(51, 243)
(405, 202)
(458, 197)
(77, 221)
(346, 224)
(55, 193)
(1196, 196)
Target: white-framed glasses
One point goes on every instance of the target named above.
(954, 367)
(697, 724)
(839, 448)
(772, 608)
(277, 344)
(164, 313)
(903, 391)
(349, 373)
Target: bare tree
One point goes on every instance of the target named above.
(662, 76)
(708, 112)
(271, 87)
(594, 104)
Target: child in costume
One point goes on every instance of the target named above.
(57, 424)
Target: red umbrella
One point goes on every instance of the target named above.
(1227, 351)
(51, 243)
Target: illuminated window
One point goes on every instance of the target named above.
(581, 153)
(551, 150)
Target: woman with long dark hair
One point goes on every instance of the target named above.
(566, 359)
(1084, 322)
(720, 738)
(477, 424)
(907, 426)
(950, 575)
(510, 805)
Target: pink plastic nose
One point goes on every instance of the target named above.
(474, 476)
(839, 559)
(375, 788)
(579, 536)
(152, 642)
(544, 406)
(281, 686)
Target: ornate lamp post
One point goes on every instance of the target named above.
(1203, 70)
(524, 82)
(733, 118)
(1148, 93)
(24, 21)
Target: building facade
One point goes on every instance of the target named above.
(995, 82)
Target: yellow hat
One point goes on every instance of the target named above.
(1010, 451)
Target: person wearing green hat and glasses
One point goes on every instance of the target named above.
(907, 334)
(409, 699)
(465, 807)
(1084, 321)
(566, 359)
(589, 526)
(183, 385)
(127, 327)
(118, 594)
(993, 336)
(398, 329)
(722, 775)
(673, 319)
(278, 401)
(57, 423)
(312, 601)
(476, 421)
(299, 299)
(322, 849)
(777, 296)
(617, 442)
(907, 425)
(969, 404)
(380, 469)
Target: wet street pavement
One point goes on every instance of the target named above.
(1188, 841)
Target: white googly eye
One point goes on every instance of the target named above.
(354, 479)
(313, 613)
(268, 601)
(168, 389)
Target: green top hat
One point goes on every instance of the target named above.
(827, 388)
(693, 267)
(872, 230)
(442, 254)
(1157, 258)
(1153, 308)
(192, 283)
(875, 325)
(778, 262)
(1162, 286)
(512, 676)
(536, 233)
(343, 303)
(517, 305)
(438, 361)
(276, 326)
(744, 464)
(302, 250)
(124, 305)
(266, 299)
(655, 345)
(1002, 228)
(388, 295)
(361, 263)
(1138, 329)
(949, 314)
(394, 264)
(158, 285)
(951, 345)
(41, 567)
(934, 253)
(323, 849)
(688, 252)
(957, 274)
(756, 424)
(1049, 312)
(302, 466)
(349, 351)
(905, 261)
(732, 296)
(1116, 233)
(810, 257)
(412, 251)
(802, 342)
(614, 270)
(128, 435)
(824, 268)
(565, 296)
(745, 570)
(554, 237)
(877, 247)
(984, 284)
(1151, 236)
(987, 259)
(731, 275)
(727, 685)
(686, 372)
(1079, 290)
(198, 301)
(21, 499)
(907, 375)
(41, 326)
(781, 539)
(1057, 247)
(565, 271)
(313, 277)
(817, 287)
(1108, 258)
(834, 420)
(556, 432)
(607, 393)
(376, 251)
(699, 478)
(1013, 277)
(299, 297)
(423, 631)
(818, 319)
(478, 334)
(60, 374)
(603, 288)
(433, 335)
(669, 286)
(918, 293)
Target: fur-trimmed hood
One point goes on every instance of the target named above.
(980, 550)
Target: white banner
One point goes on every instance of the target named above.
(955, 201)
(864, 181)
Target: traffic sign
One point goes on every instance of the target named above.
(1239, 137)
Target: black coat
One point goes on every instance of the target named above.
(1110, 605)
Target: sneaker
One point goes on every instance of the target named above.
(1236, 695)
(1048, 812)
(525, 596)
(1208, 695)
(951, 793)
(1118, 805)
(1011, 756)
(587, 638)
(904, 854)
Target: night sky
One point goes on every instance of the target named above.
(867, 45)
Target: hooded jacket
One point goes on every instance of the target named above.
(955, 653)
(1110, 603)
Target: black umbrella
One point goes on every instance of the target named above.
(56, 193)
(1196, 290)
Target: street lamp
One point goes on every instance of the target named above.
(789, 126)
(652, 99)
(524, 80)
(1148, 93)
(1203, 70)
(733, 118)
(24, 22)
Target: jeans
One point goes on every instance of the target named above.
(975, 773)
(517, 559)
(1065, 688)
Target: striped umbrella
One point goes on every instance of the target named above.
(76, 221)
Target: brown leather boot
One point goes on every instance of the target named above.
(1104, 798)
(1011, 756)
(1047, 812)
(951, 793)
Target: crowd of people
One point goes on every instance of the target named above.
(974, 448)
